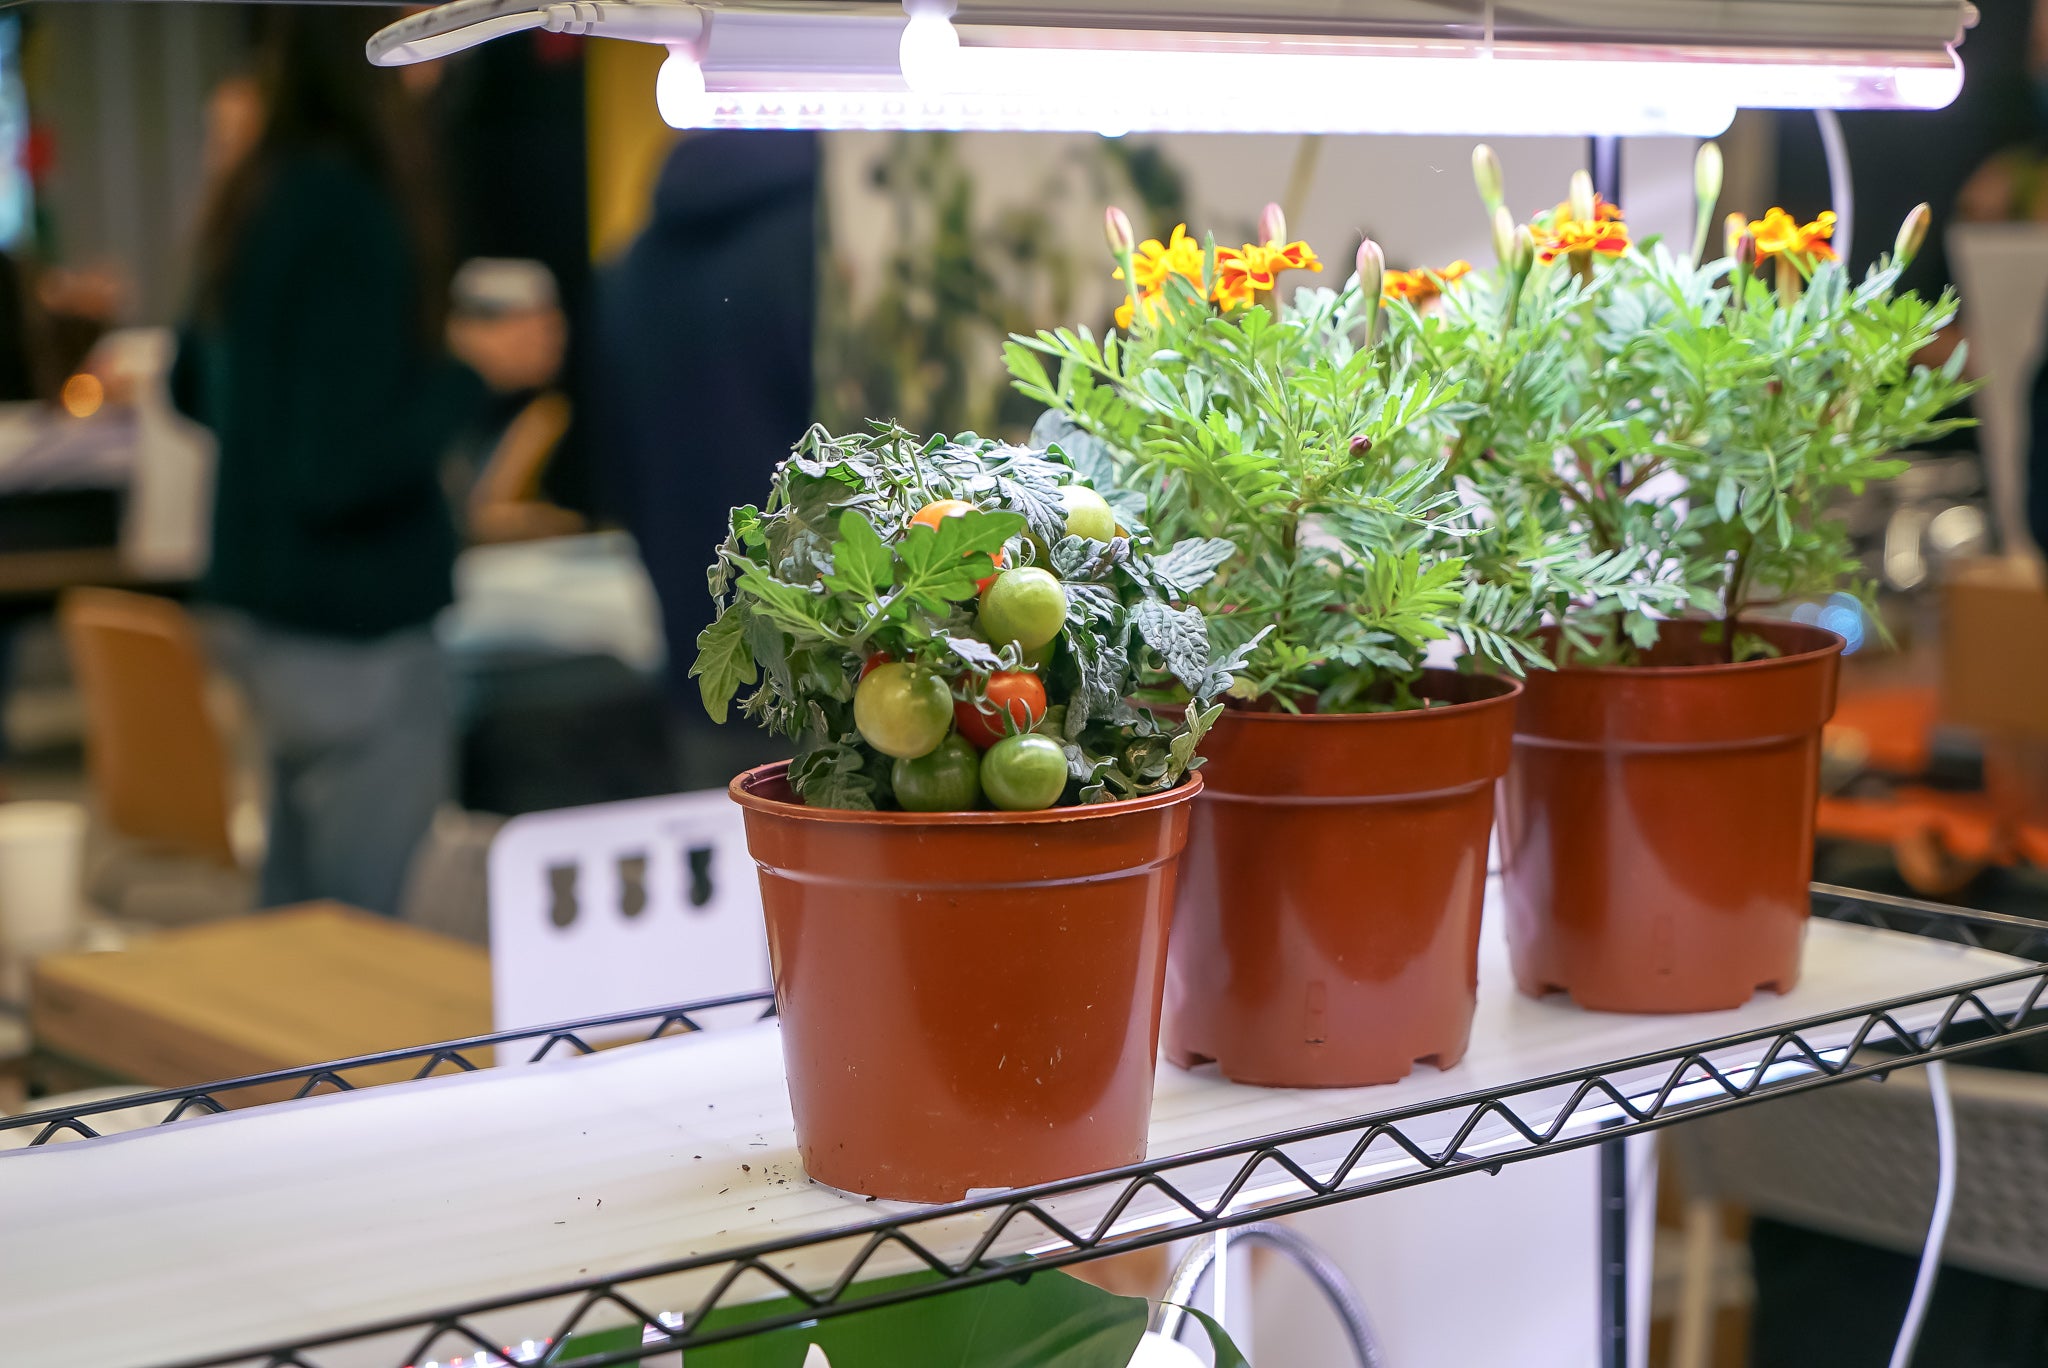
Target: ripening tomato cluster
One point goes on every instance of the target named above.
(952, 753)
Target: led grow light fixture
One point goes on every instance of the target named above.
(865, 64)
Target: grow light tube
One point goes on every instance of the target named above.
(850, 72)
(1457, 87)
(882, 67)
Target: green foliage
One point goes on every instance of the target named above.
(1318, 457)
(831, 570)
(1223, 1351)
(1047, 1320)
(1642, 437)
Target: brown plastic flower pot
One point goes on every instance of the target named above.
(1657, 822)
(968, 999)
(1327, 929)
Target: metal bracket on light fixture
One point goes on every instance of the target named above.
(463, 24)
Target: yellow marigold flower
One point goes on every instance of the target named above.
(1154, 261)
(1423, 284)
(1777, 232)
(1155, 305)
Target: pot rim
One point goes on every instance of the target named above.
(1835, 644)
(1508, 694)
(741, 792)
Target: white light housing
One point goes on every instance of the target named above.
(847, 64)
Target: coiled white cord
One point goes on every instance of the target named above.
(1937, 1224)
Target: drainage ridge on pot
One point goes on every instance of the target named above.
(1657, 822)
(968, 999)
(1327, 928)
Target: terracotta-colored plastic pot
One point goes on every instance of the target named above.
(968, 999)
(1657, 822)
(1327, 929)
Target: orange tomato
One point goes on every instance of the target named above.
(929, 516)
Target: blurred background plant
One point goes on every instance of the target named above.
(966, 264)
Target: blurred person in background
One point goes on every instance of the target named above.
(704, 380)
(318, 354)
(499, 485)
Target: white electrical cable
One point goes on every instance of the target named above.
(1841, 190)
(1937, 1224)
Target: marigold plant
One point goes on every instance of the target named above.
(1693, 422)
(1297, 432)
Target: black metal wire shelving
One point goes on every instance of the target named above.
(1159, 1200)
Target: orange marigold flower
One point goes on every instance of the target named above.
(1605, 210)
(1777, 232)
(1242, 272)
(1573, 237)
(1423, 284)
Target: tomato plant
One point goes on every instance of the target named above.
(851, 621)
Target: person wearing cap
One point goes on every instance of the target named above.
(501, 498)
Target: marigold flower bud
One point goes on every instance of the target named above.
(1733, 229)
(1272, 226)
(1582, 201)
(1372, 270)
(1745, 252)
(1503, 234)
(1486, 174)
(1116, 226)
(1912, 233)
(1524, 254)
(1706, 175)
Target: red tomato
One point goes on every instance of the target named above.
(929, 516)
(981, 585)
(1016, 692)
(874, 662)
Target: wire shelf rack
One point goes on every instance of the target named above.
(1145, 1204)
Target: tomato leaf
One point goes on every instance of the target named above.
(723, 663)
(974, 652)
(861, 565)
(1180, 637)
(789, 607)
(1185, 567)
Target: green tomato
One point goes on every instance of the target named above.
(947, 780)
(1038, 657)
(1088, 514)
(902, 710)
(1024, 772)
(1025, 605)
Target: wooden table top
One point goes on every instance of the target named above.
(300, 985)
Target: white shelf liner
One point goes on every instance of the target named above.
(245, 1229)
